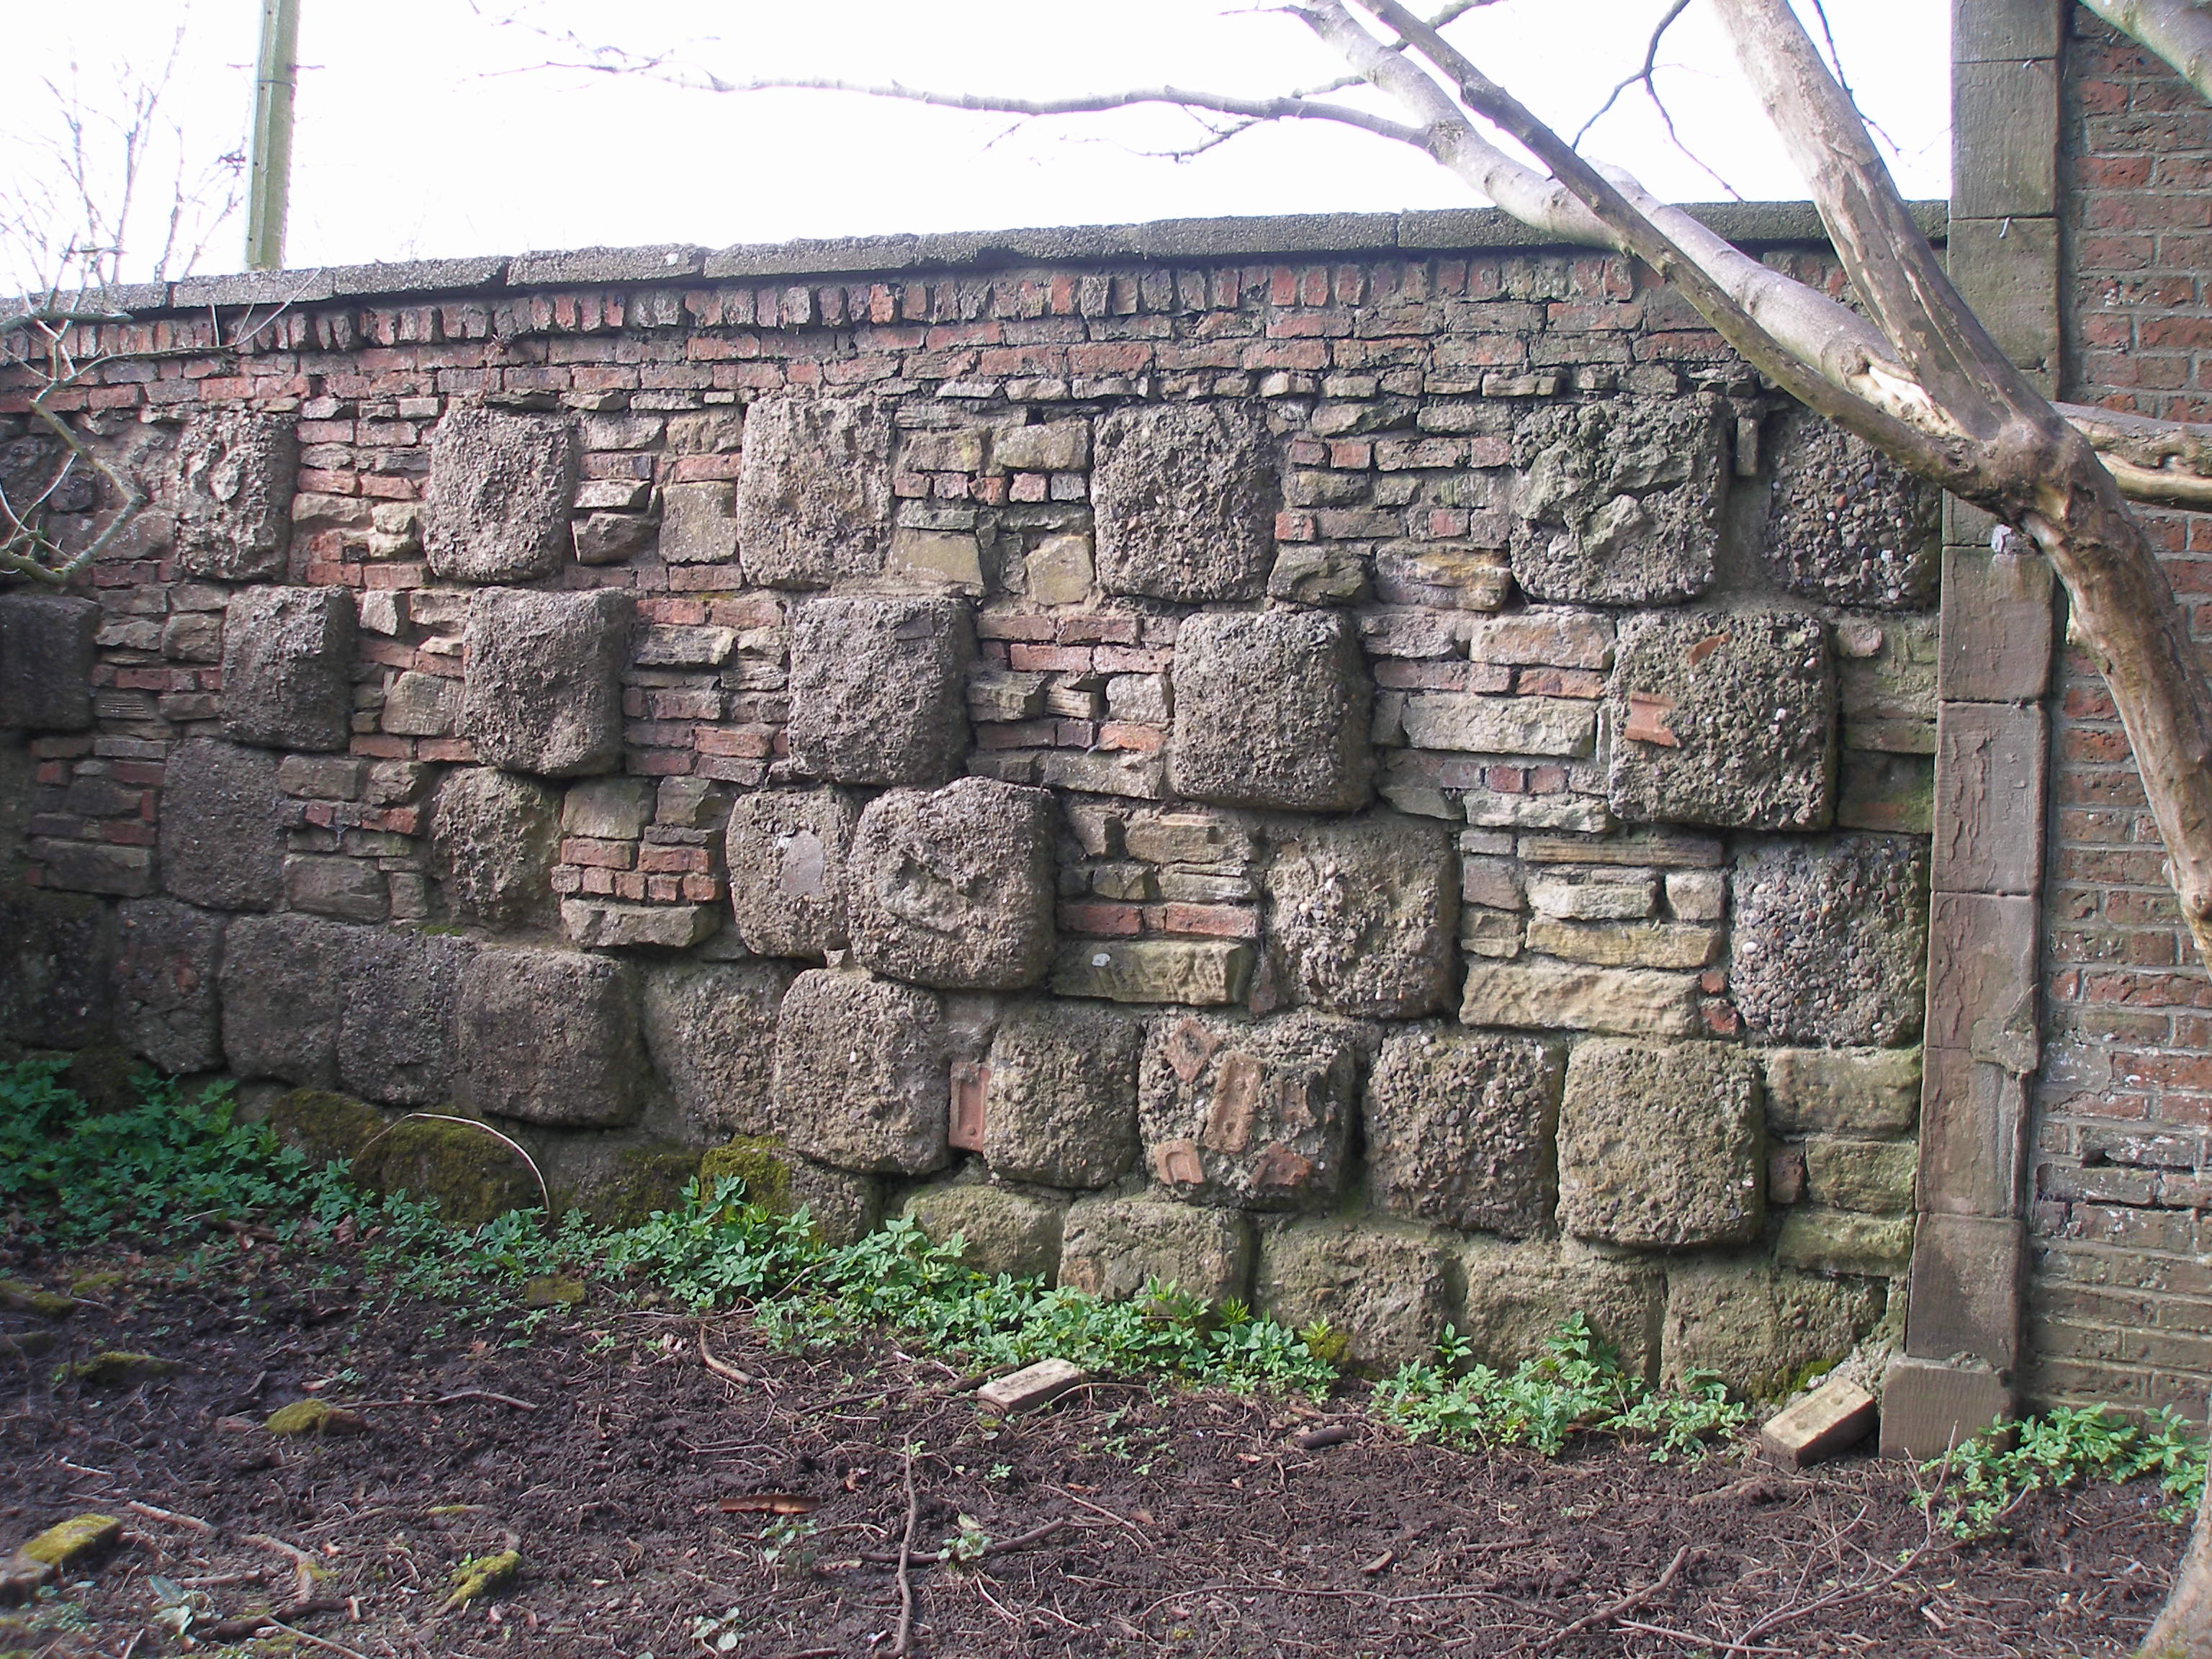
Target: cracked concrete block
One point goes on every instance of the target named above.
(1362, 915)
(543, 688)
(1185, 499)
(222, 843)
(1002, 1231)
(785, 850)
(862, 1077)
(1830, 939)
(1724, 718)
(1460, 1125)
(1517, 1295)
(493, 841)
(1846, 524)
(496, 508)
(550, 1036)
(877, 688)
(283, 983)
(1113, 1246)
(396, 1024)
(165, 1010)
(48, 643)
(814, 489)
(1618, 501)
(1661, 1143)
(288, 658)
(710, 1029)
(1271, 709)
(1389, 1290)
(236, 471)
(953, 887)
(1060, 1094)
(1761, 1328)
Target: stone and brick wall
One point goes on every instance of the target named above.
(1356, 764)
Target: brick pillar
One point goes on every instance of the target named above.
(1962, 1330)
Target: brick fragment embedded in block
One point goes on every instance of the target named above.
(493, 840)
(166, 1006)
(710, 1029)
(496, 506)
(543, 688)
(396, 1027)
(1362, 915)
(861, 1073)
(222, 841)
(1517, 1295)
(1758, 1327)
(1459, 1127)
(1001, 1232)
(876, 688)
(1271, 709)
(1185, 502)
(1660, 1144)
(1114, 1246)
(1830, 939)
(284, 982)
(1724, 718)
(550, 1036)
(814, 489)
(47, 647)
(287, 659)
(1059, 1094)
(785, 850)
(1389, 1288)
(1250, 1112)
(235, 474)
(1618, 501)
(1846, 524)
(953, 887)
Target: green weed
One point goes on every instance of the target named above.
(1991, 1473)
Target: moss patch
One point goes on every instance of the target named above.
(324, 1127)
(472, 1176)
(644, 1179)
(119, 1365)
(17, 1296)
(761, 1163)
(482, 1575)
(313, 1416)
(67, 1541)
(105, 1076)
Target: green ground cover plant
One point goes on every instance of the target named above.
(1984, 1480)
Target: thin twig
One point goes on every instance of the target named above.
(305, 1636)
(1627, 1603)
(515, 1146)
(904, 1645)
(719, 1366)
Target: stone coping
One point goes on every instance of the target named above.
(1421, 230)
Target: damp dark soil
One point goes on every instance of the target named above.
(659, 1505)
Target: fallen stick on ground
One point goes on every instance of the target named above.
(721, 1368)
(904, 1645)
(1627, 1603)
(1029, 1540)
(169, 1517)
(457, 1395)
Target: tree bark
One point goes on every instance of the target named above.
(2176, 30)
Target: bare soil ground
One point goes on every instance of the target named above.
(638, 1486)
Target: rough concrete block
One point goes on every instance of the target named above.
(1185, 502)
(283, 983)
(222, 843)
(1060, 1099)
(1829, 940)
(1826, 1423)
(1860, 1091)
(287, 656)
(1387, 1290)
(1113, 1246)
(1618, 501)
(1930, 1408)
(543, 689)
(861, 1078)
(1518, 1295)
(1250, 1112)
(1204, 973)
(396, 1026)
(496, 508)
(710, 1029)
(1361, 915)
(57, 970)
(1557, 996)
(1723, 719)
(1001, 1232)
(1660, 1144)
(1459, 1127)
(814, 489)
(1759, 1327)
(166, 1011)
(785, 850)
(47, 647)
(235, 474)
(876, 688)
(954, 888)
(1271, 709)
(1031, 1387)
(493, 841)
(550, 1038)
(1845, 524)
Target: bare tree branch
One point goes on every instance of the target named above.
(1642, 77)
(2178, 31)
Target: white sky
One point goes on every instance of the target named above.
(425, 130)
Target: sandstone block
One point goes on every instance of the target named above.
(607, 809)
(1361, 915)
(610, 925)
(1060, 570)
(165, 984)
(417, 705)
(1112, 1247)
(1556, 996)
(1202, 972)
(876, 688)
(1387, 1290)
(787, 853)
(861, 1076)
(1031, 1387)
(1930, 1408)
(550, 1038)
(1606, 895)
(493, 840)
(949, 559)
(1862, 1091)
(1472, 724)
(235, 473)
(288, 667)
(1843, 1242)
(352, 889)
(1678, 944)
(1830, 942)
(1846, 525)
(1826, 1423)
(1047, 446)
(47, 647)
(496, 509)
(1271, 709)
(222, 843)
(396, 1022)
(954, 888)
(698, 524)
(1459, 1127)
(1001, 1232)
(1250, 1112)
(1185, 502)
(814, 489)
(1760, 1328)
(710, 1029)
(1724, 720)
(1517, 1295)
(1873, 1175)
(1061, 1101)
(544, 691)
(283, 983)
(1661, 1143)
(1618, 501)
